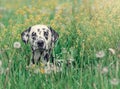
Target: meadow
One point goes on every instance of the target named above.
(89, 34)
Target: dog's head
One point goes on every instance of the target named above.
(40, 37)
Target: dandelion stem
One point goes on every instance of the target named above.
(8, 69)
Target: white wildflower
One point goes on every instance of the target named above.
(104, 70)
(114, 81)
(7, 69)
(10, 61)
(17, 45)
(112, 51)
(100, 54)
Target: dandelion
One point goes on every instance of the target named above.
(104, 70)
(17, 45)
(7, 69)
(42, 70)
(10, 61)
(100, 54)
(114, 81)
(112, 51)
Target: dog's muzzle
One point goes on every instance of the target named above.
(41, 44)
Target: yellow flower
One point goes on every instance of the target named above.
(42, 70)
(42, 64)
(33, 66)
(20, 11)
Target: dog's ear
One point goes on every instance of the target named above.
(55, 35)
(25, 35)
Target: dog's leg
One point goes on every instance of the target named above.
(46, 58)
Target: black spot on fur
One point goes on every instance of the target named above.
(46, 35)
(43, 28)
(33, 34)
(38, 30)
(46, 57)
(54, 34)
(34, 38)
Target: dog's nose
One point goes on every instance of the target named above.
(40, 43)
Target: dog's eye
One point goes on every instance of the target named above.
(34, 38)
(46, 35)
(33, 34)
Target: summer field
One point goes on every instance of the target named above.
(89, 34)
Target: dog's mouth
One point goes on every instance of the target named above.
(41, 49)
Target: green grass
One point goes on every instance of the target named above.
(85, 28)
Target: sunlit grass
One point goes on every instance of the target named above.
(89, 33)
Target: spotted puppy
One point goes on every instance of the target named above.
(42, 39)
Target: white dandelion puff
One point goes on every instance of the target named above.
(100, 54)
(17, 45)
(112, 51)
(114, 81)
(10, 61)
(7, 69)
(104, 70)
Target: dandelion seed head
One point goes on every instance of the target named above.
(114, 81)
(104, 70)
(7, 69)
(111, 50)
(17, 45)
(100, 54)
(10, 61)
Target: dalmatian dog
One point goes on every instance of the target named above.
(42, 40)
